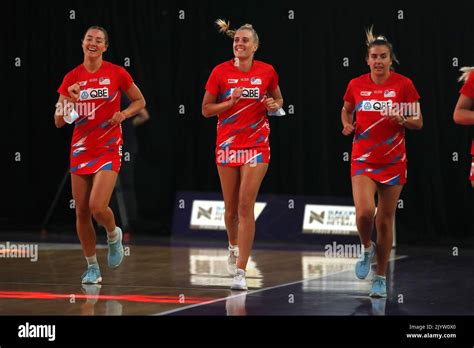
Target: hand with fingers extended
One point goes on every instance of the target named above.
(117, 118)
(348, 129)
(74, 91)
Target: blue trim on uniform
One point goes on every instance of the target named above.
(395, 181)
(77, 152)
(82, 121)
(229, 120)
(107, 166)
(363, 135)
(396, 159)
(110, 141)
(260, 139)
(225, 94)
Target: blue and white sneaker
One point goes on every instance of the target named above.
(362, 267)
(379, 287)
(115, 253)
(92, 275)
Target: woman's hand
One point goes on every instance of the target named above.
(236, 94)
(348, 129)
(395, 116)
(271, 104)
(117, 118)
(74, 91)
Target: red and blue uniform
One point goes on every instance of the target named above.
(243, 130)
(468, 90)
(96, 144)
(378, 148)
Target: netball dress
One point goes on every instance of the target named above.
(243, 130)
(378, 148)
(96, 144)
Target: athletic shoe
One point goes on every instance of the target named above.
(115, 254)
(92, 275)
(362, 267)
(379, 288)
(239, 282)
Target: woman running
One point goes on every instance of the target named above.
(240, 92)
(385, 103)
(93, 90)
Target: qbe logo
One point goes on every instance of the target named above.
(374, 105)
(249, 93)
(94, 93)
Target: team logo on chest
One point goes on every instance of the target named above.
(94, 93)
(104, 81)
(249, 93)
(255, 81)
(374, 105)
(389, 93)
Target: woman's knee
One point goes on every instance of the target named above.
(384, 222)
(365, 216)
(83, 212)
(97, 209)
(246, 208)
(231, 213)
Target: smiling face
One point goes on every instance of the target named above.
(94, 44)
(379, 60)
(244, 44)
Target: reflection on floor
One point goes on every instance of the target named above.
(171, 280)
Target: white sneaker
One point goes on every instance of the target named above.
(232, 259)
(239, 282)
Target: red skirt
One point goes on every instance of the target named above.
(89, 161)
(389, 174)
(238, 157)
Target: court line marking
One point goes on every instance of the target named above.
(251, 292)
(121, 286)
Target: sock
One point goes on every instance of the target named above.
(383, 277)
(92, 260)
(234, 249)
(112, 236)
(369, 249)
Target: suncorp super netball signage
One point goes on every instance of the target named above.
(209, 215)
(329, 219)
